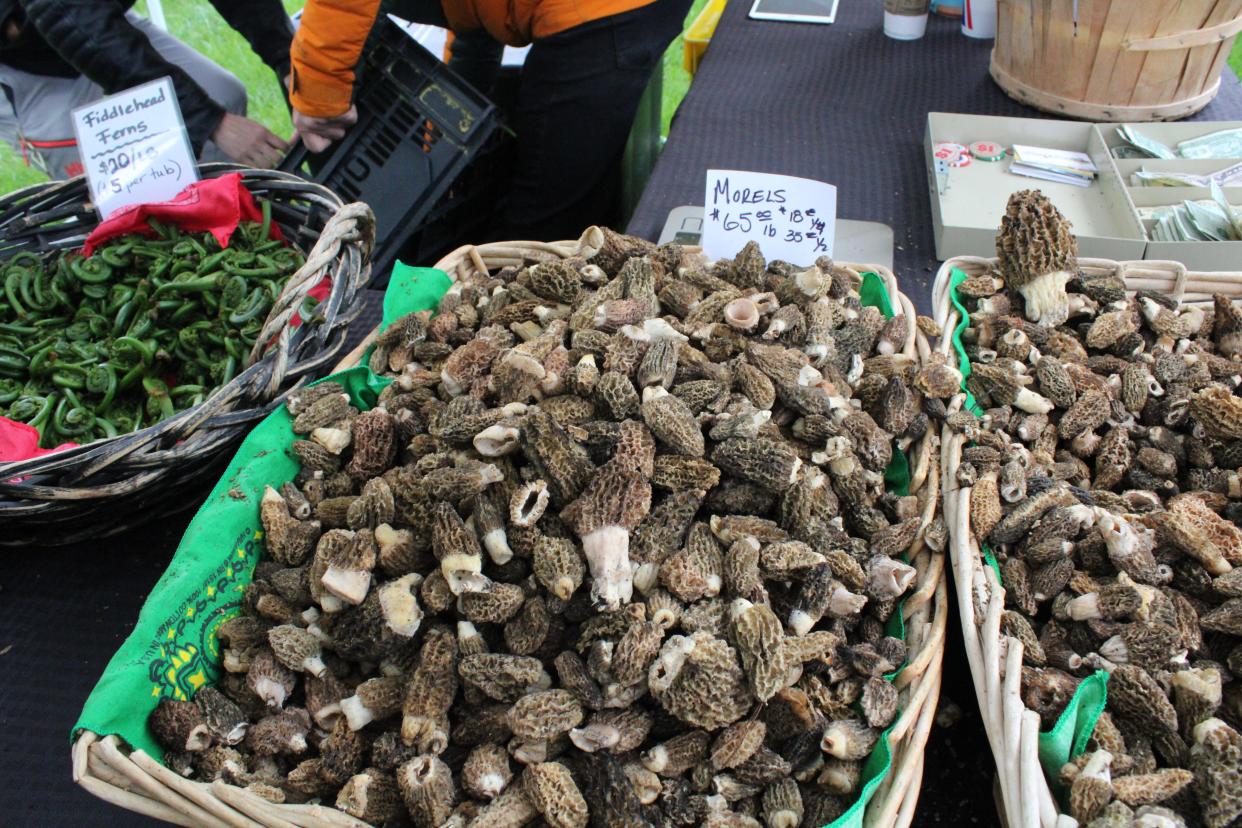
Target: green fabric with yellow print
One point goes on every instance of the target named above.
(173, 650)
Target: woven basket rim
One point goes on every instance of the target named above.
(1012, 729)
(340, 250)
(139, 783)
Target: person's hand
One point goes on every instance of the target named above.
(319, 133)
(249, 142)
(12, 30)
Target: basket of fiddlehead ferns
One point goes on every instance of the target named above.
(139, 367)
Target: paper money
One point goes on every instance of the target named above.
(1230, 176)
(1159, 231)
(1162, 230)
(1183, 228)
(1212, 225)
(1200, 220)
(1227, 143)
(1229, 214)
(1139, 141)
(1224, 144)
(1160, 178)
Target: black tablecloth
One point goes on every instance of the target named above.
(841, 104)
(847, 105)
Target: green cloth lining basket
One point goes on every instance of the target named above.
(173, 650)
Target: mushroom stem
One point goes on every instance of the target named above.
(607, 551)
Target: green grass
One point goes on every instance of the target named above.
(198, 24)
(1235, 58)
(676, 78)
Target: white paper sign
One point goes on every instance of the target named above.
(134, 147)
(791, 218)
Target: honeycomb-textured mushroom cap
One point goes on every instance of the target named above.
(282, 733)
(375, 698)
(613, 504)
(371, 796)
(225, 719)
(737, 743)
(552, 790)
(1134, 693)
(849, 739)
(501, 676)
(1218, 412)
(1091, 790)
(1151, 788)
(673, 757)
(545, 714)
(180, 725)
(374, 443)
(427, 788)
(297, 649)
(270, 680)
(430, 693)
(760, 641)
(288, 539)
(342, 753)
(1216, 760)
(698, 679)
(672, 422)
(1038, 254)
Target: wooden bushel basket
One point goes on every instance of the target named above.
(1122, 60)
(131, 779)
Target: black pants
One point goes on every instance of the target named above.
(579, 92)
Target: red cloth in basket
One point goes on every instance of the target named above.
(215, 205)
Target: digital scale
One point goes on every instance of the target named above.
(861, 242)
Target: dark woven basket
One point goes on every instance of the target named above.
(115, 484)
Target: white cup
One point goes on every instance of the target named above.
(905, 26)
(979, 19)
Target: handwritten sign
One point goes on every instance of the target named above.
(791, 218)
(134, 147)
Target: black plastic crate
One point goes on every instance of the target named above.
(469, 211)
(419, 128)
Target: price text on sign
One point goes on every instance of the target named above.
(791, 218)
(134, 147)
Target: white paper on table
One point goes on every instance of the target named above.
(791, 218)
(134, 147)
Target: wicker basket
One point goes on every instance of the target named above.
(136, 781)
(1025, 800)
(116, 484)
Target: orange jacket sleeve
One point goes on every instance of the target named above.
(325, 51)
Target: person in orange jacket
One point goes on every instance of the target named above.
(588, 66)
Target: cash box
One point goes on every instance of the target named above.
(1112, 217)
